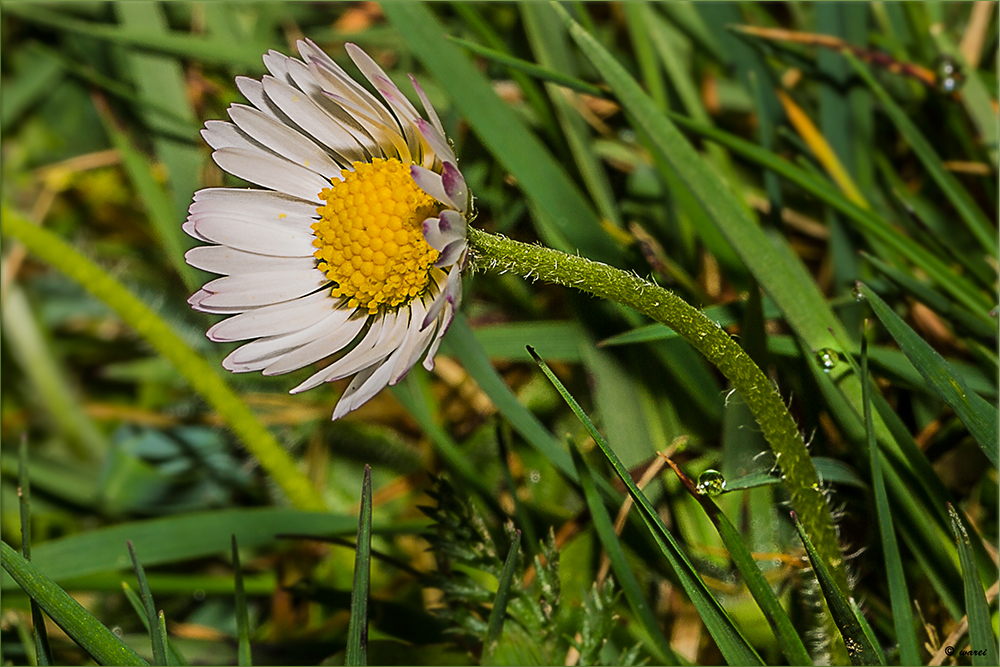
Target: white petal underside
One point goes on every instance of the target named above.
(220, 134)
(272, 172)
(314, 120)
(255, 237)
(274, 320)
(284, 141)
(331, 342)
(337, 327)
(252, 290)
(362, 387)
(228, 261)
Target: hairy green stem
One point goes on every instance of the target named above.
(202, 377)
(494, 252)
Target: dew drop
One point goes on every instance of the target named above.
(711, 483)
(198, 594)
(948, 75)
(857, 293)
(828, 359)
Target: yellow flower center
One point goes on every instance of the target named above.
(370, 238)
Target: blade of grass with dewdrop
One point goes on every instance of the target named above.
(357, 629)
(978, 415)
(202, 377)
(959, 197)
(40, 637)
(981, 636)
(498, 615)
(538, 174)
(732, 644)
(788, 639)
(899, 596)
(67, 613)
(242, 619)
(149, 609)
(845, 615)
(624, 576)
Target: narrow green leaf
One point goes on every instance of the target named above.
(981, 636)
(542, 179)
(149, 608)
(140, 611)
(899, 596)
(619, 565)
(161, 634)
(494, 628)
(105, 647)
(202, 377)
(845, 615)
(357, 630)
(40, 637)
(731, 642)
(978, 415)
(968, 211)
(244, 658)
(530, 68)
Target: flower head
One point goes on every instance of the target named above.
(355, 246)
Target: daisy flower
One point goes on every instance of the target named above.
(353, 250)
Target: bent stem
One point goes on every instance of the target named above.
(495, 252)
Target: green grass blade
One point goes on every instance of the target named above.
(976, 608)
(149, 608)
(161, 634)
(619, 565)
(959, 197)
(899, 596)
(788, 639)
(242, 620)
(494, 628)
(845, 615)
(202, 377)
(530, 68)
(462, 343)
(542, 179)
(357, 630)
(977, 415)
(68, 614)
(731, 642)
(959, 286)
(40, 637)
(214, 51)
(175, 656)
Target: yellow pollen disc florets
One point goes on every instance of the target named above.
(369, 237)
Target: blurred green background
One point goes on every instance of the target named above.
(879, 167)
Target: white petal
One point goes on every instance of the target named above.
(199, 296)
(229, 261)
(274, 320)
(441, 231)
(284, 141)
(252, 290)
(260, 353)
(271, 172)
(381, 340)
(454, 186)
(277, 64)
(414, 345)
(431, 183)
(342, 83)
(329, 343)
(253, 90)
(451, 253)
(220, 134)
(263, 239)
(189, 229)
(259, 205)
(428, 107)
(363, 381)
(314, 120)
(435, 140)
